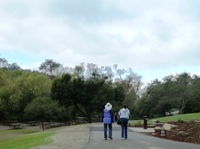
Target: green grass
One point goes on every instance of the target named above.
(180, 117)
(184, 117)
(24, 138)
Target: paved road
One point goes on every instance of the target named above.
(135, 141)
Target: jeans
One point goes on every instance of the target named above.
(115, 120)
(105, 130)
(124, 123)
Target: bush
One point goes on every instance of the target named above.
(180, 121)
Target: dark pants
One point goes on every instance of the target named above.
(115, 120)
(124, 123)
(105, 130)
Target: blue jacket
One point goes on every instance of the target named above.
(107, 117)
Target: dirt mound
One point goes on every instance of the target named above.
(186, 131)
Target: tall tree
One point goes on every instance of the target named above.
(193, 105)
(88, 96)
(14, 66)
(3, 63)
(49, 67)
(183, 90)
(131, 83)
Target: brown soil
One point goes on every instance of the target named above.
(184, 132)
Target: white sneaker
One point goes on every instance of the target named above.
(122, 138)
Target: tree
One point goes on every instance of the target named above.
(131, 83)
(18, 88)
(49, 67)
(43, 109)
(7, 106)
(131, 80)
(193, 105)
(183, 90)
(14, 66)
(174, 92)
(88, 96)
(3, 63)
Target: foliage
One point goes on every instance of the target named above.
(193, 104)
(88, 96)
(92, 85)
(180, 120)
(18, 88)
(3, 63)
(131, 83)
(14, 66)
(174, 92)
(43, 109)
(49, 67)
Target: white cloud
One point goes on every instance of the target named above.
(139, 34)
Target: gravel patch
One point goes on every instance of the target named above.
(69, 137)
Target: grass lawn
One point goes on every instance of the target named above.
(24, 138)
(182, 117)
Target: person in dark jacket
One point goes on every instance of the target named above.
(107, 119)
(116, 117)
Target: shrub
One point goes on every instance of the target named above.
(180, 121)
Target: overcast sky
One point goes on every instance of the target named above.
(156, 38)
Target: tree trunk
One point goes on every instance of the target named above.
(89, 118)
(42, 125)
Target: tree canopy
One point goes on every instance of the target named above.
(178, 92)
(43, 109)
(88, 96)
(85, 89)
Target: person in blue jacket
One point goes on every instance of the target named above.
(107, 119)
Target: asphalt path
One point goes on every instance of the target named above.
(135, 140)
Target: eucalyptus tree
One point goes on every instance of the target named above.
(50, 67)
(14, 66)
(87, 71)
(130, 80)
(131, 83)
(3, 63)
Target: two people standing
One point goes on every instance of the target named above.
(108, 118)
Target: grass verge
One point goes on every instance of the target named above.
(180, 117)
(184, 117)
(24, 138)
